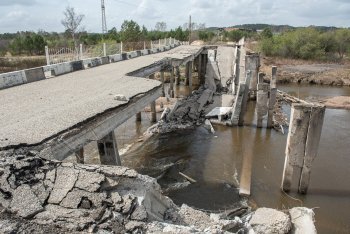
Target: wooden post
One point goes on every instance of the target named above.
(79, 155)
(162, 80)
(272, 99)
(108, 150)
(312, 142)
(171, 89)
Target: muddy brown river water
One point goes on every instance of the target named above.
(215, 160)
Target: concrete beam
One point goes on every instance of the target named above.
(95, 129)
(108, 150)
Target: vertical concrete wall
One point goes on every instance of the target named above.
(252, 63)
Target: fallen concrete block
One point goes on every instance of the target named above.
(302, 220)
(266, 220)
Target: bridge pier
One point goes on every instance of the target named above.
(171, 89)
(190, 70)
(304, 134)
(252, 63)
(178, 75)
(79, 155)
(199, 68)
(162, 80)
(138, 117)
(108, 150)
(272, 99)
(261, 100)
(187, 73)
(153, 112)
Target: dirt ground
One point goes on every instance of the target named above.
(340, 102)
(308, 72)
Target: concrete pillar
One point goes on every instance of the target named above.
(47, 54)
(272, 99)
(311, 147)
(245, 97)
(153, 112)
(79, 155)
(108, 150)
(238, 104)
(262, 103)
(138, 117)
(190, 76)
(171, 89)
(187, 73)
(236, 69)
(162, 80)
(200, 68)
(204, 67)
(252, 63)
(302, 143)
(178, 75)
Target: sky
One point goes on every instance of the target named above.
(34, 15)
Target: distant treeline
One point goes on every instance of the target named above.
(306, 43)
(33, 43)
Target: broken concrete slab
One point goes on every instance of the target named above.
(303, 220)
(225, 60)
(25, 203)
(266, 220)
(89, 181)
(65, 181)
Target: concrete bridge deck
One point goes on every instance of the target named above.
(74, 105)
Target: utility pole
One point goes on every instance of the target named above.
(189, 30)
(104, 24)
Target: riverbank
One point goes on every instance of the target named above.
(307, 72)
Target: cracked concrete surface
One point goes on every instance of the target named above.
(36, 111)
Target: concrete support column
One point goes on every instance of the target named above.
(245, 97)
(272, 99)
(178, 75)
(108, 150)
(236, 68)
(171, 89)
(262, 101)
(252, 63)
(187, 72)
(138, 117)
(204, 67)
(190, 75)
(153, 112)
(241, 100)
(304, 134)
(162, 80)
(200, 68)
(79, 155)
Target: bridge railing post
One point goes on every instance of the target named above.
(80, 51)
(47, 55)
(121, 47)
(104, 50)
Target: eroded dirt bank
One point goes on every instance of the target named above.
(308, 72)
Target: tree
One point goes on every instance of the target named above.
(38, 43)
(72, 22)
(161, 26)
(342, 39)
(130, 31)
(266, 33)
